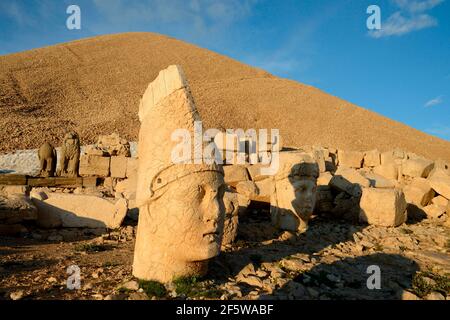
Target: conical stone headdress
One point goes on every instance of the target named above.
(167, 105)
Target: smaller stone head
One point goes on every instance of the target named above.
(294, 195)
(304, 182)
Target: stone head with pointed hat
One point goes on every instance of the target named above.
(181, 210)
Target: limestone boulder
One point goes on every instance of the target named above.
(118, 167)
(383, 207)
(350, 159)
(419, 192)
(94, 166)
(80, 211)
(434, 211)
(248, 189)
(417, 167)
(387, 170)
(372, 158)
(440, 201)
(254, 171)
(395, 156)
(378, 181)
(235, 174)
(265, 189)
(349, 180)
(441, 184)
(324, 178)
(16, 209)
(230, 200)
(132, 167)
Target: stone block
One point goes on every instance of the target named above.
(235, 174)
(440, 201)
(324, 179)
(350, 159)
(230, 229)
(392, 157)
(94, 166)
(264, 190)
(372, 158)
(419, 192)
(387, 170)
(247, 188)
(434, 211)
(80, 211)
(16, 209)
(383, 207)
(378, 181)
(118, 167)
(417, 167)
(132, 167)
(441, 184)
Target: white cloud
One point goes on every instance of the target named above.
(411, 17)
(434, 102)
(202, 15)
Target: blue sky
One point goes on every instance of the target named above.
(401, 71)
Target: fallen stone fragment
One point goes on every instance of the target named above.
(372, 158)
(16, 209)
(235, 174)
(441, 184)
(378, 181)
(419, 192)
(389, 171)
(350, 159)
(94, 166)
(383, 207)
(417, 167)
(440, 201)
(80, 211)
(434, 211)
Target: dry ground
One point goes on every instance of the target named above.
(330, 261)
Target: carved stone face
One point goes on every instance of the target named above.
(188, 218)
(305, 196)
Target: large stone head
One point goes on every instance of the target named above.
(181, 210)
(294, 194)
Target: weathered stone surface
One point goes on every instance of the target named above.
(118, 166)
(349, 180)
(265, 189)
(350, 159)
(324, 179)
(132, 167)
(388, 170)
(16, 209)
(434, 211)
(372, 158)
(11, 191)
(378, 181)
(417, 167)
(352, 176)
(319, 156)
(113, 145)
(324, 199)
(441, 184)
(392, 157)
(80, 211)
(440, 201)
(383, 207)
(47, 160)
(94, 166)
(254, 171)
(235, 174)
(230, 200)
(69, 158)
(419, 192)
(248, 189)
(181, 210)
(294, 196)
